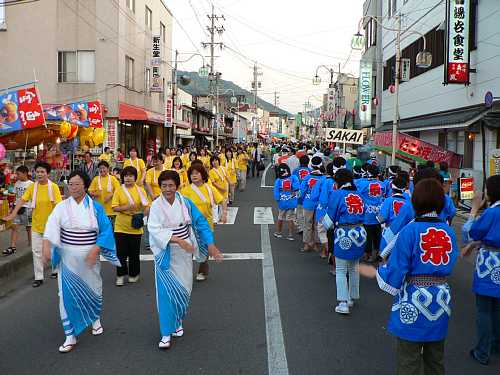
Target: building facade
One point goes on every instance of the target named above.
(94, 50)
(450, 117)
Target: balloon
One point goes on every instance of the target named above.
(98, 136)
(73, 131)
(65, 129)
(3, 151)
(85, 135)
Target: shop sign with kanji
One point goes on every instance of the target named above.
(457, 65)
(19, 110)
(156, 51)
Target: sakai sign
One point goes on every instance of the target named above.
(344, 136)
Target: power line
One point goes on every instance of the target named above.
(17, 2)
(197, 18)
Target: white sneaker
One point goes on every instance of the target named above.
(278, 235)
(120, 281)
(179, 332)
(201, 277)
(342, 308)
(350, 303)
(165, 342)
(133, 279)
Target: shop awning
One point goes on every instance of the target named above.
(278, 135)
(186, 136)
(262, 136)
(210, 139)
(129, 112)
(413, 149)
(182, 124)
(460, 118)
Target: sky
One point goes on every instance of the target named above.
(288, 40)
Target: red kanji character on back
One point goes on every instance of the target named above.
(312, 182)
(396, 206)
(354, 204)
(435, 244)
(374, 190)
(303, 173)
(287, 185)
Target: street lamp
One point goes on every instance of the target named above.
(317, 78)
(184, 82)
(423, 60)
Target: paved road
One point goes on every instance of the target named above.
(232, 323)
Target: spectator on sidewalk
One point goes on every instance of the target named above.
(89, 167)
(44, 195)
(23, 217)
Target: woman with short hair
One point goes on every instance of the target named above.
(131, 204)
(138, 164)
(77, 232)
(417, 275)
(206, 198)
(177, 231)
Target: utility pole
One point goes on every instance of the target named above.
(396, 96)
(276, 98)
(255, 88)
(213, 75)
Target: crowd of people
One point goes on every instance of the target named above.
(171, 203)
(395, 226)
(392, 225)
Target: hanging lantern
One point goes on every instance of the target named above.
(392, 89)
(65, 129)
(73, 131)
(3, 151)
(375, 101)
(98, 136)
(364, 107)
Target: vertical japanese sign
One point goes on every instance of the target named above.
(20, 110)
(457, 64)
(157, 81)
(95, 114)
(111, 134)
(365, 93)
(168, 113)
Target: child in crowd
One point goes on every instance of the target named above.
(286, 189)
(392, 205)
(309, 204)
(345, 212)
(372, 191)
(23, 217)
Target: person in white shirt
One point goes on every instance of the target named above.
(23, 217)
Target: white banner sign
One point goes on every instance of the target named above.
(344, 136)
(365, 93)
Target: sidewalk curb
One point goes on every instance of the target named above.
(9, 269)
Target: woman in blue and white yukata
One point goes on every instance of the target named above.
(77, 232)
(177, 232)
(426, 251)
(482, 232)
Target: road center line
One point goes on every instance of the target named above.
(276, 355)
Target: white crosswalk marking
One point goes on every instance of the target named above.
(263, 215)
(232, 212)
(227, 256)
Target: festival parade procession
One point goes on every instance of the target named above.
(211, 187)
